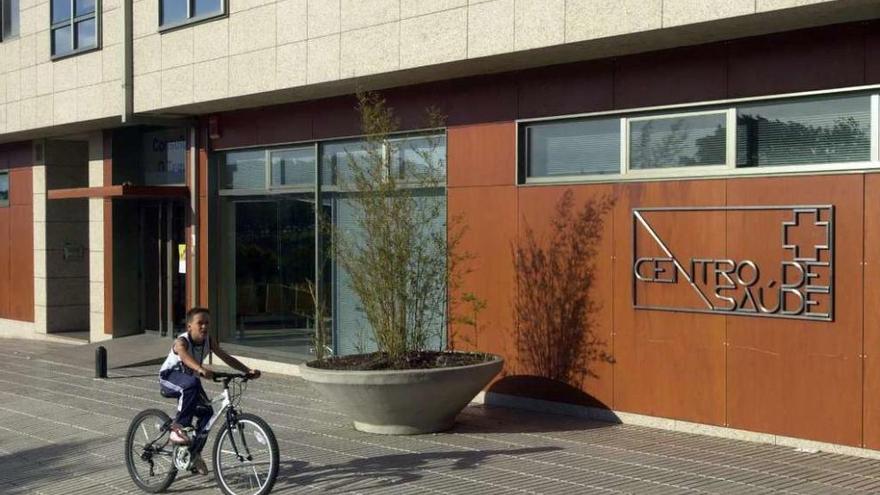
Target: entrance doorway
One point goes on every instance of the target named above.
(162, 272)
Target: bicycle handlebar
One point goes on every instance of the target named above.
(220, 376)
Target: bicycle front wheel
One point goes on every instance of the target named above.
(246, 457)
(148, 451)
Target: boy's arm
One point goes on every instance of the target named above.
(231, 361)
(190, 362)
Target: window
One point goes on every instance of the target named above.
(816, 130)
(74, 26)
(417, 156)
(578, 147)
(294, 167)
(827, 131)
(176, 12)
(4, 189)
(680, 141)
(244, 170)
(9, 19)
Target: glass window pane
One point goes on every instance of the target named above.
(84, 7)
(581, 147)
(61, 41)
(338, 158)
(4, 189)
(206, 7)
(86, 35)
(817, 130)
(244, 170)
(691, 140)
(293, 167)
(60, 10)
(418, 155)
(172, 11)
(10, 18)
(163, 156)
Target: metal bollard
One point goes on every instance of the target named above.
(100, 362)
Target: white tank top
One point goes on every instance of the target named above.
(198, 352)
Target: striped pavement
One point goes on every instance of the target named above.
(62, 432)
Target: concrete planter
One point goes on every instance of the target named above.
(402, 402)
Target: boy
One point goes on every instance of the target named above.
(178, 376)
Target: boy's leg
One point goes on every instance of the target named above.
(189, 387)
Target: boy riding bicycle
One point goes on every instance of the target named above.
(178, 376)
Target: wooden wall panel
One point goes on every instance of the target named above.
(481, 155)
(489, 216)
(667, 364)
(537, 213)
(21, 261)
(871, 311)
(794, 377)
(6, 288)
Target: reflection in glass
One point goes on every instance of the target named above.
(207, 7)
(817, 130)
(417, 156)
(60, 11)
(84, 7)
(4, 188)
(244, 170)
(293, 167)
(10, 19)
(172, 11)
(337, 159)
(693, 140)
(86, 34)
(62, 41)
(581, 147)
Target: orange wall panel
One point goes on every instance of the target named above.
(667, 364)
(871, 305)
(21, 189)
(488, 214)
(21, 260)
(795, 377)
(5, 247)
(481, 155)
(537, 213)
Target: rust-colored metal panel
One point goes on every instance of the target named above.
(489, 215)
(871, 324)
(586, 365)
(827, 57)
(284, 124)
(21, 262)
(667, 364)
(795, 377)
(672, 76)
(481, 155)
(335, 117)
(236, 129)
(566, 89)
(204, 268)
(21, 189)
(5, 247)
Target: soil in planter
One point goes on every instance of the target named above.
(411, 361)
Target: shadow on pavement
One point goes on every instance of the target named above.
(387, 470)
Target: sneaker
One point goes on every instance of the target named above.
(178, 435)
(199, 465)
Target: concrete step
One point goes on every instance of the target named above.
(123, 352)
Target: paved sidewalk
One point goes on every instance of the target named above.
(61, 432)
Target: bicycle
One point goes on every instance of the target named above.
(153, 461)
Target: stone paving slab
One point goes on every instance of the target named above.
(61, 432)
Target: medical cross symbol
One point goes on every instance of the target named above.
(799, 228)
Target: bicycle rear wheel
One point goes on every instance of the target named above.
(148, 451)
(253, 470)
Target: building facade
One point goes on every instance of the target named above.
(158, 154)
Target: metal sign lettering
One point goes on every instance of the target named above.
(790, 274)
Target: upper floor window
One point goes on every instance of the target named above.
(176, 12)
(74, 26)
(9, 19)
